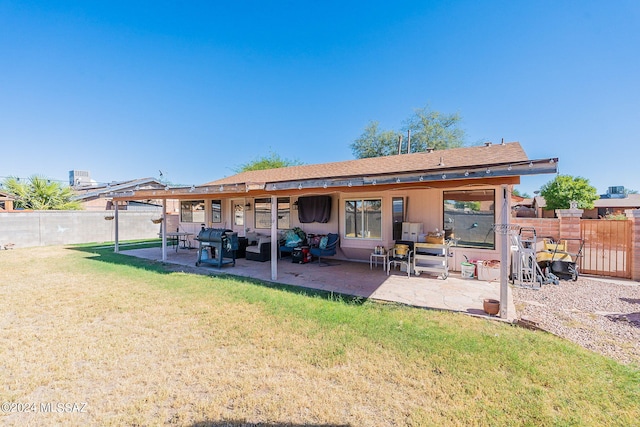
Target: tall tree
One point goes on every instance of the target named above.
(41, 194)
(559, 193)
(433, 129)
(272, 161)
(375, 142)
(429, 129)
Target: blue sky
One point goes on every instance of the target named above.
(197, 88)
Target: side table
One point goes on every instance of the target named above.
(374, 258)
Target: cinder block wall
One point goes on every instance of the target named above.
(44, 228)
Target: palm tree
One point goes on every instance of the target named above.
(41, 194)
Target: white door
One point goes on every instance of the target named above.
(238, 222)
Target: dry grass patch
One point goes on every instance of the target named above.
(145, 346)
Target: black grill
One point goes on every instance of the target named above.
(217, 246)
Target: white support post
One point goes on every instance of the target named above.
(504, 252)
(274, 238)
(116, 245)
(164, 230)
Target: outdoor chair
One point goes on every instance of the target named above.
(292, 239)
(327, 248)
(261, 251)
(401, 254)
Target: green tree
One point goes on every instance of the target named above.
(517, 192)
(272, 161)
(564, 189)
(432, 129)
(375, 142)
(429, 129)
(41, 194)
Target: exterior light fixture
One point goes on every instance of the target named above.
(421, 178)
(299, 186)
(530, 164)
(324, 185)
(444, 176)
(192, 189)
(488, 171)
(466, 173)
(221, 188)
(509, 168)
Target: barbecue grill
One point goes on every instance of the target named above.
(217, 246)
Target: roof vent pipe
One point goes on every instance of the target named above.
(409, 141)
(399, 144)
(502, 143)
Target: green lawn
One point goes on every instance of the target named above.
(144, 345)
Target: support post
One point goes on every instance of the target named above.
(164, 230)
(116, 245)
(274, 238)
(504, 252)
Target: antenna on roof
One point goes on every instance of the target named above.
(399, 144)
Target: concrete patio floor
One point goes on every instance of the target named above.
(355, 278)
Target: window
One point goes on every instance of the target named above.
(216, 211)
(192, 211)
(363, 219)
(469, 216)
(397, 204)
(263, 213)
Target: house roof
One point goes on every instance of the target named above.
(500, 163)
(486, 155)
(630, 201)
(87, 193)
(6, 196)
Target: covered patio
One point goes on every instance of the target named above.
(356, 279)
(462, 196)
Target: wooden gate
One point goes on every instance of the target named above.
(607, 247)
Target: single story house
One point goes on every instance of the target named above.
(96, 197)
(6, 201)
(462, 192)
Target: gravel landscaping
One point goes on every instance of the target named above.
(599, 314)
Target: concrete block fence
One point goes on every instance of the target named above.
(44, 228)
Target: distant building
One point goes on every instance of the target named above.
(80, 179)
(614, 203)
(97, 197)
(6, 201)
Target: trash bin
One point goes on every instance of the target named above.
(467, 270)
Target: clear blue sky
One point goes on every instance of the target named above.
(124, 89)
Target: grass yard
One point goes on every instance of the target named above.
(142, 345)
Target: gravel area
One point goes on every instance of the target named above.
(599, 314)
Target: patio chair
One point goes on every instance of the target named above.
(401, 254)
(328, 249)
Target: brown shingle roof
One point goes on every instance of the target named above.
(440, 159)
